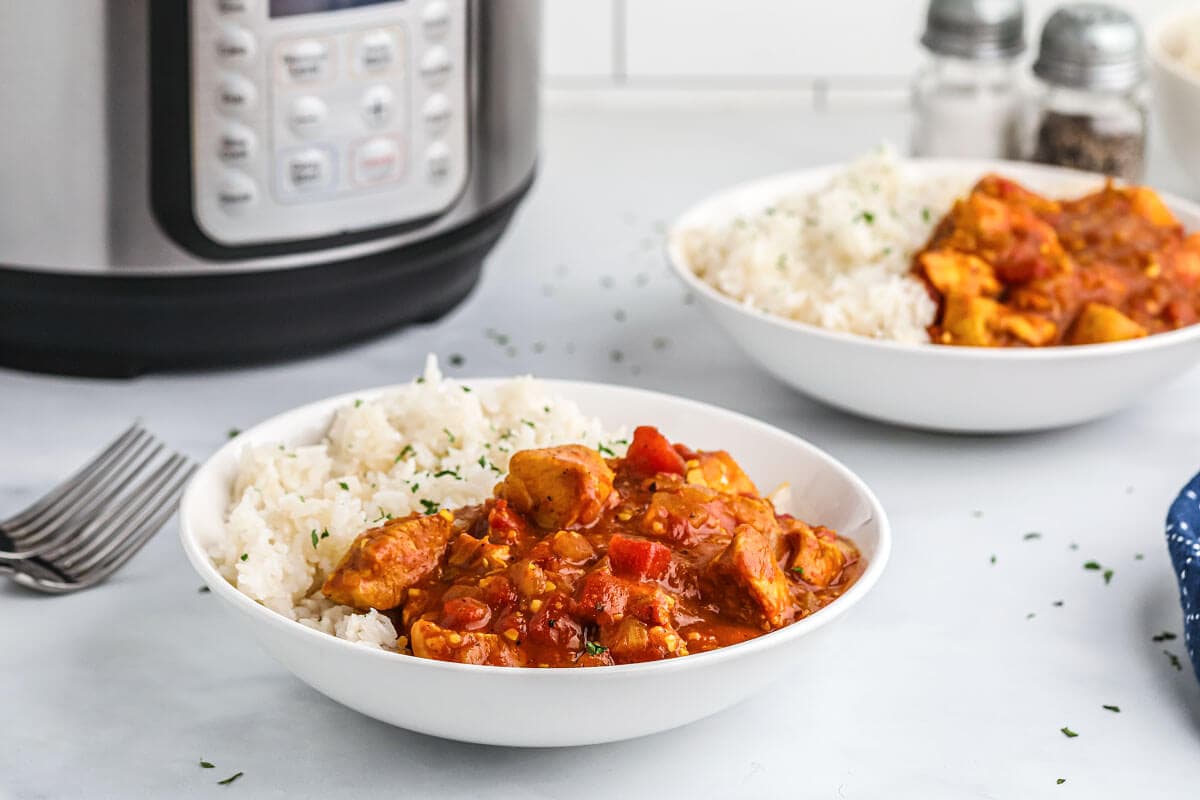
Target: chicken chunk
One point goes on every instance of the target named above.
(1101, 323)
(430, 640)
(383, 563)
(559, 487)
(816, 555)
(717, 470)
(952, 272)
(748, 582)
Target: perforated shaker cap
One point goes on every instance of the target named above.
(1091, 46)
(975, 29)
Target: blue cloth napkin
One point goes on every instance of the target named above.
(1183, 540)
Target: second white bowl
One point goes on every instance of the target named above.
(957, 389)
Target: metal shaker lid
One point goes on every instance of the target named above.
(1091, 46)
(975, 29)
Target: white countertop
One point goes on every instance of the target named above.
(939, 685)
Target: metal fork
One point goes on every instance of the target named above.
(89, 526)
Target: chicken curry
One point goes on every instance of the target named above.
(1009, 267)
(579, 561)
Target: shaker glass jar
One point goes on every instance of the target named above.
(1091, 112)
(968, 96)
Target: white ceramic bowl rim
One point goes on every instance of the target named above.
(1158, 47)
(217, 583)
(679, 262)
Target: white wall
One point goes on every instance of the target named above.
(735, 44)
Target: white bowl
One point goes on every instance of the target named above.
(1176, 90)
(958, 389)
(549, 707)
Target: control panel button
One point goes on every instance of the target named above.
(435, 18)
(308, 170)
(378, 51)
(307, 114)
(236, 193)
(435, 64)
(436, 112)
(306, 60)
(235, 46)
(237, 144)
(377, 160)
(378, 103)
(233, 6)
(437, 161)
(236, 95)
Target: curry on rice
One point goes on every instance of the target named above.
(579, 561)
(1011, 268)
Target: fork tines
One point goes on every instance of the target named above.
(88, 526)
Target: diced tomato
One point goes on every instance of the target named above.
(638, 558)
(498, 591)
(503, 523)
(650, 453)
(607, 598)
(465, 614)
(553, 625)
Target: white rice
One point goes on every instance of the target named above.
(838, 258)
(380, 457)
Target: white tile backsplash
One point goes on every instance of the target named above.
(750, 43)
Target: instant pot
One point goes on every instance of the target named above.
(194, 183)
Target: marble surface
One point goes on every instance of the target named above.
(952, 680)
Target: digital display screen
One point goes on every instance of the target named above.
(287, 8)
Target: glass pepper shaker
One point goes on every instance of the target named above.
(968, 97)
(1091, 111)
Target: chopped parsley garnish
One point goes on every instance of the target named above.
(551, 622)
(1108, 573)
(926, 216)
(345, 486)
(799, 571)
(206, 764)
(594, 648)
(545, 409)
(204, 590)
(230, 779)
(444, 472)
(415, 486)
(1138, 557)
(315, 538)
(606, 450)
(1091, 565)
(1174, 659)
(358, 403)
(466, 389)
(456, 360)
(449, 435)
(992, 559)
(1165, 636)
(405, 453)
(865, 216)
(527, 422)
(1057, 603)
(1061, 781)
(1067, 732)
(429, 506)
(1030, 615)
(245, 556)
(232, 433)
(1114, 709)
(383, 515)
(482, 462)
(1031, 535)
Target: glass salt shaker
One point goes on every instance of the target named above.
(968, 96)
(1091, 111)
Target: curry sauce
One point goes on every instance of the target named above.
(581, 561)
